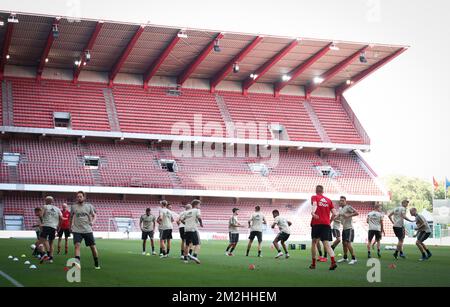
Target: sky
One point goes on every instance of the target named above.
(404, 106)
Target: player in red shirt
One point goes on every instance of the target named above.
(320, 225)
(64, 228)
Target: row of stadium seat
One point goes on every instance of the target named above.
(215, 212)
(153, 111)
(57, 161)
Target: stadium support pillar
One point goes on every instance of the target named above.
(125, 54)
(312, 86)
(351, 82)
(89, 46)
(293, 74)
(236, 59)
(44, 55)
(267, 66)
(151, 71)
(198, 59)
(5, 48)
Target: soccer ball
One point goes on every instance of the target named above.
(32, 246)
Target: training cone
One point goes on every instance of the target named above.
(23, 256)
(392, 266)
(16, 259)
(10, 257)
(339, 255)
(66, 268)
(251, 267)
(26, 262)
(33, 267)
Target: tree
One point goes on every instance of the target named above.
(417, 191)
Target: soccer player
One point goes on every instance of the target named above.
(165, 220)
(233, 232)
(51, 217)
(191, 219)
(347, 213)
(397, 217)
(319, 251)
(320, 225)
(37, 227)
(255, 223)
(181, 229)
(336, 228)
(283, 225)
(64, 228)
(147, 225)
(423, 232)
(82, 219)
(376, 228)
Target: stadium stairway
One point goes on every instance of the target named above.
(316, 122)
(7, 104)
(113, 118)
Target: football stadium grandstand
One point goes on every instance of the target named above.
(98, 105)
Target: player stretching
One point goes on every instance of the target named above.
(283, 235)
(191, 219)
(320, 225)
(255, 223)
(51, 218)
(147, 225)
(165, 220)
(348, 233)
(423, 232)
(82, 218)
(376, 228)
(64, 228)
(233, 232)
(397, 217)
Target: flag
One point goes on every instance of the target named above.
(435, 183)
(447, 183)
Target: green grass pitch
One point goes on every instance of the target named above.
(123, 265)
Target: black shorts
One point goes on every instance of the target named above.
(147, 234)
(336, 233)
(374, 233)
(87, 237)
(348, 235)
(191, 237)
(166, 234)
(234, 237)
(38, 234)
(399, 232)
(322, 232)
(422, 236)
(282, 236)
(66, 233)
(182, 233)
(47, 233)
(257, 234)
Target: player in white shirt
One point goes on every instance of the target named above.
(283, 225)
(181, 230)
(423, 232)
(233, 232)
(376, 228)
(398, 217)
(191, 220)
(165, 220)
(255, 223)
(346, 213)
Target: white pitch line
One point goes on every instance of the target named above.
(12, 280)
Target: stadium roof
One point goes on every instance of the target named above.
(150, 50)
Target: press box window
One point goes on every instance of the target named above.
(11, 158)
(62, 120)
(169, 165)
(91, 162)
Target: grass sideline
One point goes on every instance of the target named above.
(122, 264)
